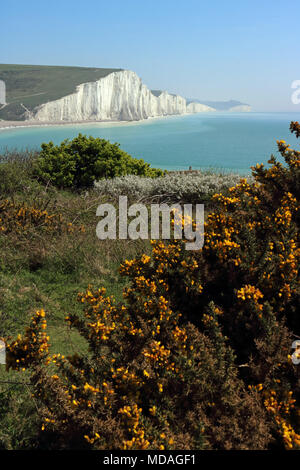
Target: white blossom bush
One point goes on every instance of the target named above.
(173, 187)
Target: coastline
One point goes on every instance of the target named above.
(5, 125)
(21, 124)
(17, 124)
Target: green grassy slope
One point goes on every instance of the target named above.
(32, 85)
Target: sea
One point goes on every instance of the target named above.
(223, 142)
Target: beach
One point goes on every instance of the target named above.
(14, 124)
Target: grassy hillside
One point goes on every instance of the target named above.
(28, 86)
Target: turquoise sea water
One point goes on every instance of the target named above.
(231, 142)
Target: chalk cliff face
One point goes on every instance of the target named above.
(120, 96)
(245, 108)
(198, 108)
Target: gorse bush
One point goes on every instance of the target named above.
(21, 219)
(149, 382)
(83, 160)
(198, 355)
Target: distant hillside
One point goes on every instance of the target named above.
(219, 105)
(28, 86)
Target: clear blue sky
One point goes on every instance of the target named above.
(247, 50)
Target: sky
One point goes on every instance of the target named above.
(210, 50)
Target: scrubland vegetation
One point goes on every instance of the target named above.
(173, 187)
(138, 344)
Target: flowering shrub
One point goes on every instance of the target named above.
(148, 383)
(188, 188)
(198, 353)
(32, 347)
(19, 218)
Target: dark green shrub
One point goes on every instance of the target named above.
(84, 160)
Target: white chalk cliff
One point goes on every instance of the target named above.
(198, 108)
(120, 96)
(243, 108)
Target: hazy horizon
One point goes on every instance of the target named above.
(215, 52)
